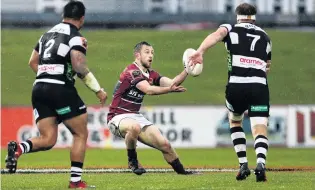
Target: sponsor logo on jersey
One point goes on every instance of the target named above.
(135, 94)
(53, 69)
(136, 73)
(250, 61)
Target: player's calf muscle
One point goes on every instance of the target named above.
(235, 123)
(259, 129)
(165, 146)
(43, 148)
(160, 143)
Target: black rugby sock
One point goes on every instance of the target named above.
(132, 154)
(178, 166)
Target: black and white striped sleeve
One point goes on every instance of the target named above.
(227, 26)
(78, 43)
(268, 50)
(37, 46)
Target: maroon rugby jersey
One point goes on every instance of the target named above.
(127, 98)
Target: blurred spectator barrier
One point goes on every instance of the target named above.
(153, 12)
(184, 126)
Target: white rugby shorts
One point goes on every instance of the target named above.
(113, 124)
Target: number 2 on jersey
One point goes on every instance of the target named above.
(48, 46)
(256, 38)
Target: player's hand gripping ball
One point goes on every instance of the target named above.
(192, 69)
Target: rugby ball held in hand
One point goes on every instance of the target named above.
(193, 70)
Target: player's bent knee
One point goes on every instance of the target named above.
(47, 143)
(235, 118)
(84, 134)
(126, 125)
(51, 141)
(134, 128)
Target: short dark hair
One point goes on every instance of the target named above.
(245, 9)
(74, 10)
(139, 45)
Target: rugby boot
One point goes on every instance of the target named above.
(136, 167)
(243, 173)
(260, 173)
(12, 157)
(80, 185)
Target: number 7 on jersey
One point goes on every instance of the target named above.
(256, 38)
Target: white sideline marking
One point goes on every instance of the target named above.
(155, 170)
(113, 170)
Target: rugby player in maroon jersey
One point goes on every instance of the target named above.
(124, 118)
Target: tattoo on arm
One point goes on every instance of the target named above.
(78, 62)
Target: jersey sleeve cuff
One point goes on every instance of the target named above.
(36, 48)
(157, 81)
(79, 48)
(227, 26)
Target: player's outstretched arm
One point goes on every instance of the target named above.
(145, 87)
(178, 80)
(34, 61)
(78, 61)
(207, 43)
(212, 39)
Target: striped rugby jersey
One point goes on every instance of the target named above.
(54, 52)
(249, 48)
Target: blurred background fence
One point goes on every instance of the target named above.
(117, 13)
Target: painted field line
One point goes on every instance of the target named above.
(157, 170)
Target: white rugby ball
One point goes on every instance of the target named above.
(193, 70)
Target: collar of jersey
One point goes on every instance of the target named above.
(71, 25)
(146, 74)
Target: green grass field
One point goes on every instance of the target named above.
(291, 79)
(291, 82)
(278, 158)
(277, 180)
